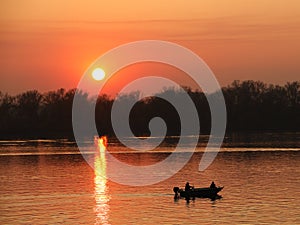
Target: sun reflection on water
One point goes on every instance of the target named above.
(101, 189)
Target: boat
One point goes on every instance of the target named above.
(206, 192)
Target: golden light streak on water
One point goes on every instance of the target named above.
(101, 189)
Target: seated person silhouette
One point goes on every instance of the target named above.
(187, 186)
(212, 185)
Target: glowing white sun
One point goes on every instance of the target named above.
(98, 74)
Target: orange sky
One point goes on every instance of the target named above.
(46, 45)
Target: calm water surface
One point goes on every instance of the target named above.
(261, 187)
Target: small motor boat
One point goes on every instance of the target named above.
(206, 192)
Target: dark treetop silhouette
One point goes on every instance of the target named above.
(251, 106)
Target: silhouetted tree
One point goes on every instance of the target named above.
(28, 111)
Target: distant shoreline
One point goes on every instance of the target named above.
(261, 139)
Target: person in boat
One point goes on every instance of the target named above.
(212, 185)
(187, 187)
(187, 190)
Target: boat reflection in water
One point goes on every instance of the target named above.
(100, 181)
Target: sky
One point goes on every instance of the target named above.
(46, 45)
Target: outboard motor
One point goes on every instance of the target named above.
(176, 191)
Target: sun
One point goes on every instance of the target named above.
(98, 74)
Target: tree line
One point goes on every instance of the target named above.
(251, 106)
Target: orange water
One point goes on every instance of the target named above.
(261, 187)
